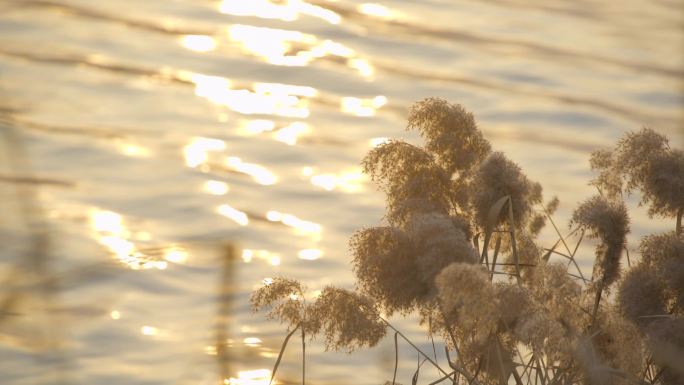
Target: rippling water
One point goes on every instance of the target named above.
(141, 139)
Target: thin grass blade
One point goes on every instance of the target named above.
(497, 247)
(492, 219)
(396, 357)
(437, 381)
(516, 259)
(414, 380)
(280, 355)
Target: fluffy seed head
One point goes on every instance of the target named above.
(663, 183)
(641, 296)
(386, 269)
(410, 178)
(643, 160)
(467, 297)
(537, 223)
(594, 370)
(551, 287)
(438, 243)
(608, 181)
(665, 340)
(496, 178)
(552, 205)
(347, 319)
(491, 357)
(541, 332)
(450, 132)
(285, 299)
(529, 255)
(634, 152)
(515, 302)
(619, 343)
(607, 221)
(664, 253)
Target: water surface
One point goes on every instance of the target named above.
(161, 158)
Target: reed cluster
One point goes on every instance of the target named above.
(459, 247)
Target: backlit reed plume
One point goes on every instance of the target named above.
(557, 292)
(386, 268)
(641, 296)
(438, 243)
(410, 178)
(665, 254)
(652, 297)
(619, 344)
(347, 320)
(284, 298)
(467, 297)
(644, 161)
(515, 303)
(665, 340)
(529, 255)
(496, 178)
(471, 311)
(450, 132)
(608, 221)
(530, 321)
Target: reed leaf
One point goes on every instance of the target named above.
(492, 219)
(280, 354)
(396, 357)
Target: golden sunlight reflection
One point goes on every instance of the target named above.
(259, 8)
(250, 377)
(248, 255)
(289, 134)
(375, 142)
(364, 67)
(326, 181)
(196, 152)
(307, 171)
(268, 354)
(236, 215)
(272, 44)
(300, 226)
(362, 107)
(267, 98)
(259, 173)
(132, 149)
(285, 89)
(198, 43)
(351, 180)
(111, 233)
(285, 10)
(115, 314)
(208, 85)
(106, 221)
(256, 126)
(377, 10)
(216, 187)
(310, 254)
(176, 255)
(293, 48)
(252, 341)
(149, 330)
(275, 260)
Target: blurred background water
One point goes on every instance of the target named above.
(160, 159)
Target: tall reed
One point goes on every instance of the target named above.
(459, 247)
